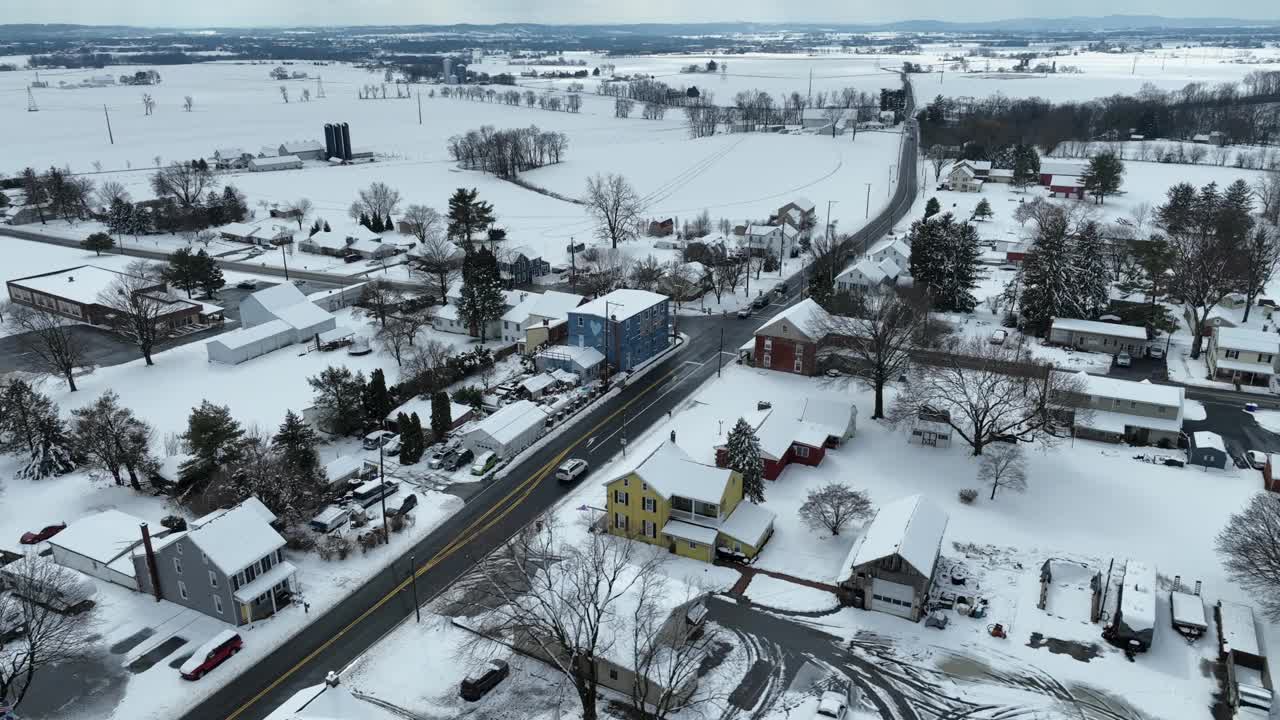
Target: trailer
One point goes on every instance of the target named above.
(1187, 610)
(1249, 690)
(1133, 624)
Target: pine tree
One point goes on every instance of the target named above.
(482, 299)
(743, 449)
(183, 270)
(1026, 166)
(441, 416)
(98, 242)
(944, 258)
(387, 225)
(120, 217)
(377, 401)
(215, 212)
(375, 224)
(1103, 175)
(1047, 277)
(983, 211)
(468, 215)
(416, 433)
(22, 409)
(210, 274)
(296, 443)
(53, 454)
(364, 220)
(214, 438)
(405, 426)
(233, 207)
(1092, 284)
(931, 208)
(315, 228)
(326, 226)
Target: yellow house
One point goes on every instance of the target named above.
(692, 509)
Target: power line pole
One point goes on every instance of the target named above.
(419, 107)
(382, 493)
(319, 87)
(868, 215)
(110, 136)
(720, 355)
(413, 573)
(285, 261)
(31, 102)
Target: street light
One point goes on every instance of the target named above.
(888, 190)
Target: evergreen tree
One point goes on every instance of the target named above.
(233, 206)
(944, 259)
(820, 286)
(339, 395)
(743, 449)
(931, 208)
(983, 211)
(1046, 277)
(1103, 176)
(120, 217)
(1026, 166)
(405, 426)
(1092, 276)
(109, 436)
(214, 438)
(315, 228)
(376, 400)
(209, 273)
(375, 224)
(296, 443)
(98, 242)
(482, 299)
(417, 435)
(183, 271)
(52, 454)
(22, 410)
(468, 215)
(441, 416)
(215, 213)
(364, 220)
(326, 226)
(387, 224)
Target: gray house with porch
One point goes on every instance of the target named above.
(229, 565)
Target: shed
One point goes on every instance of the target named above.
(1207, 449)
(538, 384)
(508, 431)
(94, 544)
(890, 568)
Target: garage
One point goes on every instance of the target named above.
(891, 597)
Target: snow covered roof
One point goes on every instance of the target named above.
(354, 290)
(237, 538)
(965, 170)
(831, 413)
(1244, 366)
(240, 229)
(303, 315)
(1116, 422)
(323, 702)
(359, 232)
(1138, 598)
(82, 284)
(244, 337)
(422, 406)
(102, 536)
(520, 313)
(370, 245)
(1060, 167)
(1239, 632)
(911, 528)
(276, 161)
(806, 316)
(328, 239)
(690, 531)
(1001, 172)
(584, 357)
(804, 204)
(748, 523)
(1065, 181)
(278, 573)
(343, 467)
(1188, 609)
(279, 296)
(511, 421)
(759, 230)
(203, 651)
(538, 383)
(1248, 340)
(622, 304)
(670, 471)
(777, 431)
(1206, 439)
(298, 146)
(1129, 332)
(229, 153)
(554, 304)
(1143, 391)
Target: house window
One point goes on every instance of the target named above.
(1233, 354)
(213, 579)
(799, 365)
(768, 344)
(893, 563)
(650, 529)
(693, 545)
(801, 451)
(177, 565)
(1262, 358)
(217, 603)
(644, 486)
(182, 590)
(768, 360)
(613, 674)
(620, 521)
(179, 548)
(579, 321)
(620, 497)
(649, 504)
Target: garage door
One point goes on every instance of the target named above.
(891, 597)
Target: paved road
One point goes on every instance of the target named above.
(498, 511)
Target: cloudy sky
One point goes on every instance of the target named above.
(197, 13)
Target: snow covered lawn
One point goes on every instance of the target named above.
(783, 595)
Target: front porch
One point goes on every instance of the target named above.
(267, 594)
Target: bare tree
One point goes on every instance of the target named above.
(148, 105)
(110, 191)
(46, 637)
(1004, 466)
(185, 182)
(937, 158)
(878, 330)
(1250, 550)
(395, 336)
(135, 312)
(833, 506)
(377, 200)
(833, 115)
(439, 259)
(987, 392)
(380, 299)
(1267, 190)
(1258, 264)
(284, 93)
(615, 206)
(603, 270)
(559, 600)
(53, 341)
(423, 222)
(301, 208)
(306, 94)
(667, 652)
(188, 102)
(681, 282)
(426, 365)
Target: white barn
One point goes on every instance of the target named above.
(99, 546)
(271, 319)
(508, 431)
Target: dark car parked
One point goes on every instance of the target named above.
(476, 686)
(464, 457)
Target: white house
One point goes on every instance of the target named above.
(511, 429)
(98, 545)
(868, 273)
(963, 178)
(780, 240)
(271, 319)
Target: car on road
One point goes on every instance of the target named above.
(780, 288)
(247, 284)
(744, 313)
(832, 706)
(761, 302)
(477, 685)
(1124, 360)
(211, 654)
(571, 470)
(44, 533)
(1155, 353)
(1256, 459)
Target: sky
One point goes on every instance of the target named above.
(227, 13)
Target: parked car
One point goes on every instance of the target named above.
(761, 301)
(744, 313)
(998, 337)
(377, 439)
(1123, 359)
(44, 533)
(460, 459)
(392, 446)
(211, 655)
(1256, 459)
(352, 258)
(484, 463)
(1155, 352)
(299, 282)
(438, 459)
(476, 686)
(832, 706)
(780, 287)
(571, 470)
(247, 284)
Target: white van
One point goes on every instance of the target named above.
(571, 470)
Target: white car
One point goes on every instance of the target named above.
(571, 470)
(1123, 360)
(1156, 352)
(998, 337)
(832, 706)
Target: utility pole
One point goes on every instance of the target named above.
(829, 204)
(413, 573)
(31, 102)
(868, 215)
(419, 107)
(319, 87)
(382, 492)
(1134, 69)
(809, 97)
(110, 136)
(286, 263)
(720, 356)
(888, 190)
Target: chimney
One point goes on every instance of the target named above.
(151, 563)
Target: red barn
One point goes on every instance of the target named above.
(1059, 168)
(1066, 187)
(798, 434)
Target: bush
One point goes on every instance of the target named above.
(968, 495)
(298, 538)
(332, 546)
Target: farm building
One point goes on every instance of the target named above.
(272, 318)
(1062, 186)
(279, 162)
(1060, 168)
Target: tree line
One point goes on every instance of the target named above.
(507, 153)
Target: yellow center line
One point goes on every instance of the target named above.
(524, 489)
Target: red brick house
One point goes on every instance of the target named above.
(798, 434)
(789, 342)
(1270, 473)
(76, 293)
